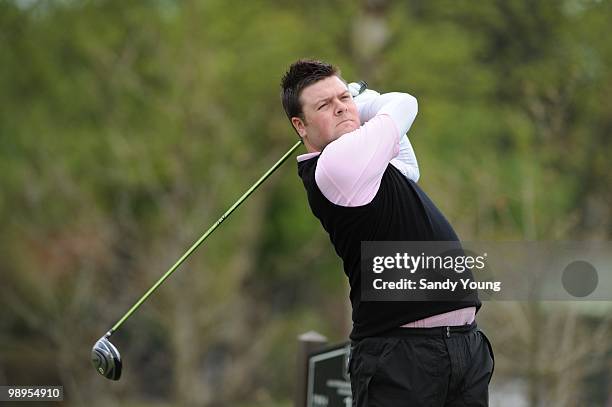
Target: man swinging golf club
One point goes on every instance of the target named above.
(360, 177)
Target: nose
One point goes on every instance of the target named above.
(341, 107)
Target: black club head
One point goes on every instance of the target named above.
(106, 359)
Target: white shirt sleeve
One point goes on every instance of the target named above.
(401, 107)
(350, 169)
(406, 162)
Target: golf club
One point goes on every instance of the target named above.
(104, 355)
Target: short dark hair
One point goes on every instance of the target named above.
(302, 73)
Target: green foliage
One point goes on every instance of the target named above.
(127, 128)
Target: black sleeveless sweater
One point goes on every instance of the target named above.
(399, 211)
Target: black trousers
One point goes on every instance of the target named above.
(445, 366)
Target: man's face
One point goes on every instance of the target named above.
(329, 112)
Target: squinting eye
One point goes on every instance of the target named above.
(322, 106)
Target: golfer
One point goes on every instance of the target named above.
(360, 175)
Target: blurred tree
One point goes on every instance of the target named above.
(126, 129)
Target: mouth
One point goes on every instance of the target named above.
(345, 121)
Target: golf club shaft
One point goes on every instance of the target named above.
(201, 239)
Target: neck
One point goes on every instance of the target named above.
(310, 148)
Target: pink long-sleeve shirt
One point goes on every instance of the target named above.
(350, 169)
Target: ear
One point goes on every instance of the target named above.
(299, 126)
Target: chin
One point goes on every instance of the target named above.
(347, 127)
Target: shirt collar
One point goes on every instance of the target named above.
(307, 156)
